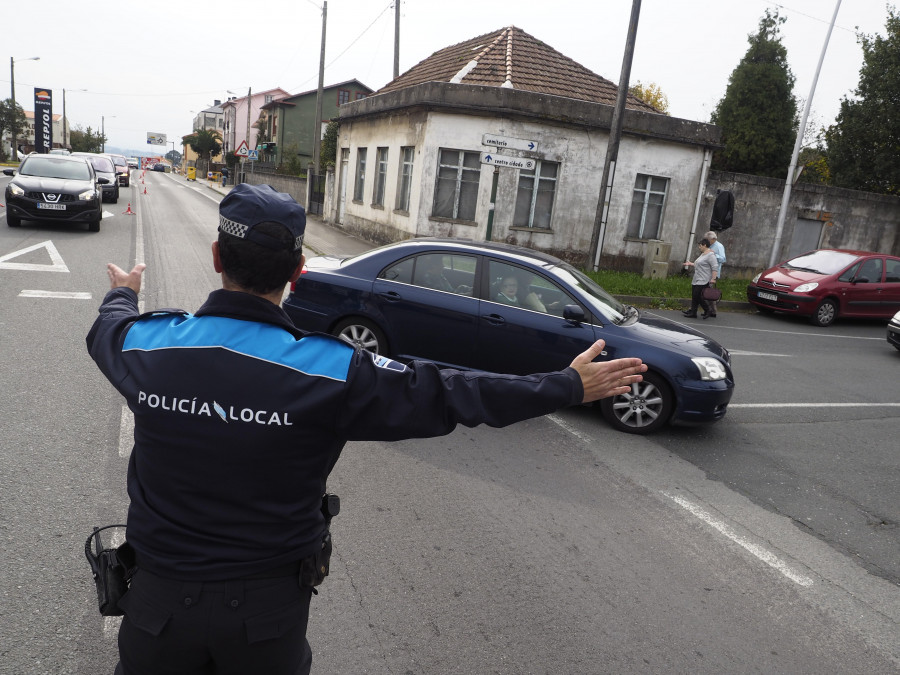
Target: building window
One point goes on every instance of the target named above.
(360, 95)
(343, 96)
(405, 179)
(647, 202)
(534, 198)
(360, 184)
(457, 185)
(381, 160)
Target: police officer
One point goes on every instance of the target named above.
(239, 419)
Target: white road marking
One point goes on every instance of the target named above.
(791, 332)
(107, 214)
(738, 352)
(57, 264)
(813, 405)
(68, 295)
(584, 438)
(758, 551)
(126, 432)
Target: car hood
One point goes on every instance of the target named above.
(43, 184)
(675, 336)
(790, 278)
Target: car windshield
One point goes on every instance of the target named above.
(601, 301)
(821, 262)
(51, 167)
(102, 164)
(120, 161)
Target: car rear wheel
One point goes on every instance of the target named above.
(825, 313)
(12, 221)
(643, 410)
(362, 333)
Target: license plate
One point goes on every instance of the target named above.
(52, 207)
(767, 296)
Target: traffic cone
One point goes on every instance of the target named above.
(145, 190)
(129, 212)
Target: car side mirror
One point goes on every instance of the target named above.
(103, 181)
(573, 314)
(9, 172)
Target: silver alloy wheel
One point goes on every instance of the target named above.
(825, 314)
(361, 335)
(644, 409)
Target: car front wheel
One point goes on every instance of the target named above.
(362, 333)
(12, 221)
(825, 313)
(643, 410)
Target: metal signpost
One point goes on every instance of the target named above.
(497, 160)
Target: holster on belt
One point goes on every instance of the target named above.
(112, 569)
(314, 568)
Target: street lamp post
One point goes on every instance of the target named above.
(65, 131)
(103, 131)
(12, 82)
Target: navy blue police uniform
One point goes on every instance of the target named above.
(239, 419)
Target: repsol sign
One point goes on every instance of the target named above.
(43, 120)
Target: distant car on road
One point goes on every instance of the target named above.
(827, 283)
(54, 187)
(104, 167)
(893, 330)
(452, 302)
(159, 167)
(123, 171)
(133, 163)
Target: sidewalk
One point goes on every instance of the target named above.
(323, 239)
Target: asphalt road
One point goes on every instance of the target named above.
(765, 543)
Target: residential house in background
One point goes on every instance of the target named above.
(507, 112)
(25, 140)
(211, 118)
(234, 110)
(291, 120)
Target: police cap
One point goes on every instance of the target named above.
(246, 206)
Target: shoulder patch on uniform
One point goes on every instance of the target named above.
(386, 363)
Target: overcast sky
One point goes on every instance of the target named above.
(147, 65)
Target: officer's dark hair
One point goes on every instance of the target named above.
(705, 242)
(256, 268)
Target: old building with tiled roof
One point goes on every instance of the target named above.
(505, 114)
(512, 58)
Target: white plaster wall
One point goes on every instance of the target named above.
(580, 153)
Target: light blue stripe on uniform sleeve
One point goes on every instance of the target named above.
(314, 355)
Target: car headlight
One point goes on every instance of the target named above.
(710, 369)
(756, 278)
(87, 194)
(16, 191)
(806, 288)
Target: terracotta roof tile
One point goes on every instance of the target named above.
(510, 57)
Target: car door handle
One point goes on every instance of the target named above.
(494, 319)
(390, 296)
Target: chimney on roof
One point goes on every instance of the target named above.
(216, 103)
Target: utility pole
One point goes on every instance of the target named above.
(317, 132)
(612, 148)
(786, 196)
(12, 82)
(396, 39)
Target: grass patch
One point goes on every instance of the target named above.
(665, 293)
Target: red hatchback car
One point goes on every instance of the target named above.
(829, 283)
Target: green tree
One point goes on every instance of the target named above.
(864, 142)
(86, 140)
(10, 119)
(207, 143)
(758, 114)
(652, 94)
(328, 150)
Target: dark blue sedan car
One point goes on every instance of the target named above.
(507, 309)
